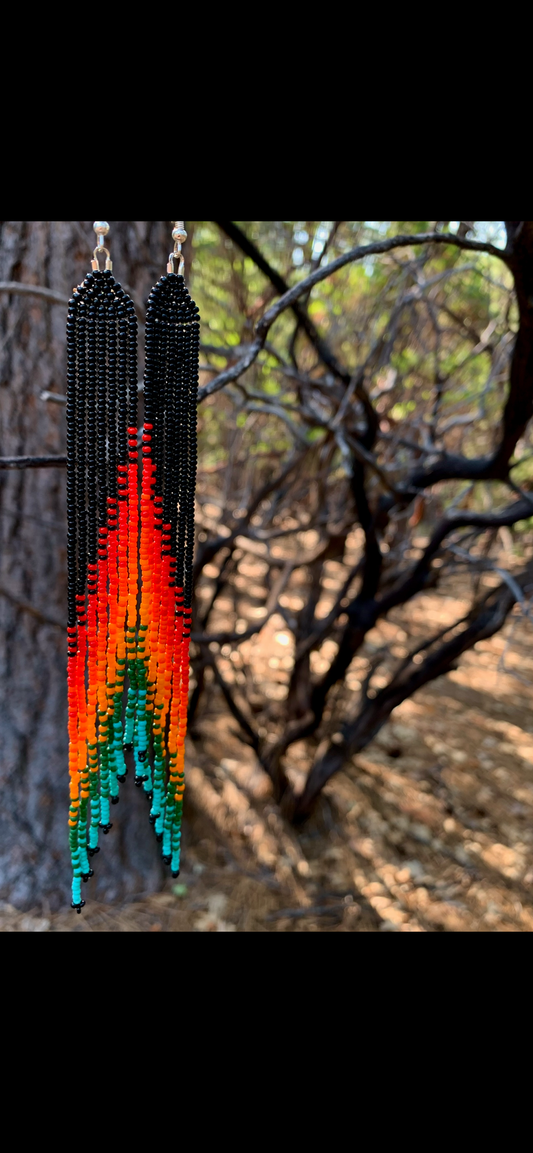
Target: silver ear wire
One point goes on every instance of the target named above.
(179, 237)
(101, 227)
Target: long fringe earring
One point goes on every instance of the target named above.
(166, 547)
(102, 517)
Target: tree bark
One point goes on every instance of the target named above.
(34, 857)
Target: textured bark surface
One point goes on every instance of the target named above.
(34, 859)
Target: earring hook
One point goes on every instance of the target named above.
(179, 237)
(101, 227)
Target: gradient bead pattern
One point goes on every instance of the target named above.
(122, 635)
(102, 515)
(166, 554)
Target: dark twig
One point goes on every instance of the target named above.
(16, 288)
(33, 461)
(56, 397)
(485, 619)
(26, 607)
(235, 710)
(211, 547)
(304, 320)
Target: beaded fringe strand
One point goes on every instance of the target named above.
(101, 561)
(166, 551)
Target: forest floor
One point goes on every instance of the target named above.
(429, 830)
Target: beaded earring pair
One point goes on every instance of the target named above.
(129, 552)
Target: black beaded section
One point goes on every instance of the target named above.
(122, 388)
(71, 463)
(80, 467)
(112, 397)
(170, 400)
(132, 362)
(91, 428)
(101, 439)
(101, 400)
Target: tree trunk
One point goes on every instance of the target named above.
(34, 856)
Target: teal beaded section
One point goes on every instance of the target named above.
(73, 843)
(158, 800)
(114, 762)
(103, 749)
(168, 821)
(131, 703)
(176, 837)
(113, 783)
(82, 836)
(173, 816)
(141, 738)
(75, 858)
(149, 784)
(118, 737)
(94, 796)
(104, 802)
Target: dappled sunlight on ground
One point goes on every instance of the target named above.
(430, 829)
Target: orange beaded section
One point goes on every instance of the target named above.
(122, 564)
(102, 619)
(73, 721)
(92, 654)
(111, 672)
(146, 558)
(133, 530)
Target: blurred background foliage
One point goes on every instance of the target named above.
(405, 357)
(432, 315)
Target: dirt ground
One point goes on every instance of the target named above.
(429, 830)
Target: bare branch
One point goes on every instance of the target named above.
(271, 607)
(417, 578)
(16, 288)
(56, 397)
(314, 638)
(210, 548)
(304, 320)
(289, 298)
(234, 708)
(33, 461)
(484, 620)
(26, 607)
